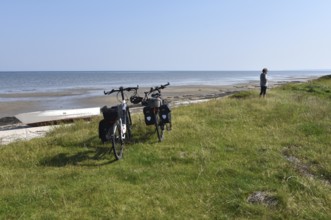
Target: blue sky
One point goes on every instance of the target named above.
(165, 34)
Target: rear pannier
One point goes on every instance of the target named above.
(104, 130)
(111, 114)
(165, 114)
(154, 102)
(149, 115)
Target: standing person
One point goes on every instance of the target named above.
(264, 82)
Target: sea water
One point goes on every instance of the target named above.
(44, 81)
(20, 86)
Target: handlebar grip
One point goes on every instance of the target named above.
(109, 92)
(165, 85)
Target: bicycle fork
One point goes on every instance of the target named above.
(123, 129)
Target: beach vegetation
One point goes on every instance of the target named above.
(230, 158)
(242, 95)
(319, 87)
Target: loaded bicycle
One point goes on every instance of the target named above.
(115, 127)
(157, 111)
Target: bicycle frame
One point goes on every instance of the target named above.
(116, 125)
(153, 105)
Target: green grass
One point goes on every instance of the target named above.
(208, 167)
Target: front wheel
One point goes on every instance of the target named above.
(117, 140)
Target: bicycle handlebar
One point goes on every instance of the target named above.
(121, 89)
(157, 88)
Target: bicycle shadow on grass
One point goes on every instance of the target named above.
(91, 156)
(148, 135)
(145, 137)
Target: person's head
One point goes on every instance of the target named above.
(265, 70)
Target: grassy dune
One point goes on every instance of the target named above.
(241, 157)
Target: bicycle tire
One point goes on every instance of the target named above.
(159, 128)
(129, 116)
(117, 140)
(128, 124)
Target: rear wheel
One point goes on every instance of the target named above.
(159, 128)
(117, 140)
(128, 124)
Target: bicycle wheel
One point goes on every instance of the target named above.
(128, 124)
(159, 127)
(117, 140)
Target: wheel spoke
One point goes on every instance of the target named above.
(117, 141)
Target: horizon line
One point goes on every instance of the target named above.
(229, 70)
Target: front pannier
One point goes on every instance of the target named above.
(149, 115)
(165, 114)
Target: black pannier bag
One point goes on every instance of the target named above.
(165, 114)
(104, 129)
(149, 115)
(110, 114)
